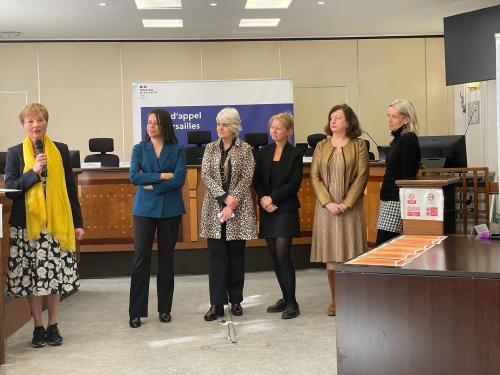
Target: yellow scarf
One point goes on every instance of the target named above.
(49, 211)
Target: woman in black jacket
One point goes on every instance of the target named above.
(402, 162)
(278, 175)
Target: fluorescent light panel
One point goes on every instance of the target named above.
(259, 22)
(267, 4)
(162, 23)
(158, 4)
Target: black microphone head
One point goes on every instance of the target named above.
(39, 145)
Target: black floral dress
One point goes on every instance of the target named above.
(39, 267)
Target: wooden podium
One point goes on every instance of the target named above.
(432, 227)
(14, 312)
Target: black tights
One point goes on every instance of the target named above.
(283, 267)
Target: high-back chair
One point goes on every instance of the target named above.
(103, 146)
(194, 155)
(3, 157)
(256, 140)
(312, 141)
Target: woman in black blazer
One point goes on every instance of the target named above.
(278, 175)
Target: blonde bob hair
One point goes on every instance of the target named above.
(285, 118)
(31, 109)
(407, 110)
(231, 117)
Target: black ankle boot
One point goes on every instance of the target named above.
(291, 311)
(214, 312)
(236, 309)
(279, 306)
(165, 317)
(134, 322)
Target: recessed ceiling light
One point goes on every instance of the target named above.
(158, 4)
(213, 4)
(321, 3)
(259, 22)
(102, 4)
(162, 23)
(267, 4)
(9, 34)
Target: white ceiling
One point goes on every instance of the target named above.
(121, 20)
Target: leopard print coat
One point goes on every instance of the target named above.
(243, 225)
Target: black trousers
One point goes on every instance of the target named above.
(144, 232)
(226, 269)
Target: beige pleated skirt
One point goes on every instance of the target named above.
(338, 238)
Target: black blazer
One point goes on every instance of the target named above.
(289, 177)
(16, 179)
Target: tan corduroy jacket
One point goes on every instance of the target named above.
(356, 171)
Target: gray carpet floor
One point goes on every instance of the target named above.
(98, 340)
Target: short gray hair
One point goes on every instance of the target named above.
(406, 109)
(231, 117)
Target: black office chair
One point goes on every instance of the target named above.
(302, 147)
(194, 155)
(256, 140)
(74, 156)
(102, 145)
(312, 141)
(3, 157)
(371, 155)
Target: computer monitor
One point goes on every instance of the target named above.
(74, 156)
(450, 147)
(382, 151)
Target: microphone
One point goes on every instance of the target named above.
(39, 150)
(376, 144)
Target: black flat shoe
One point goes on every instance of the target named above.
(291, 312)
(236, 309)
(53, 336)
(134, 322)
(279, 306)
(39, 340)
(214, 312)
(165, 317)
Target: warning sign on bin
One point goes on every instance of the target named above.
(421, 204)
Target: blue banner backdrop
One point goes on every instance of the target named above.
(254, 118)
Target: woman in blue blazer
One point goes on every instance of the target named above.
(158, 168)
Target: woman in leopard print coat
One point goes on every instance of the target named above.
(228, 213)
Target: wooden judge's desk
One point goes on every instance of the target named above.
(437, 315)
(106, 196)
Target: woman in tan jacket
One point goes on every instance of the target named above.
(339, 173)
(228, 213)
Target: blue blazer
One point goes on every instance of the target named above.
(165, 200)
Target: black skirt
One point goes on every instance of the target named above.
(286, 224)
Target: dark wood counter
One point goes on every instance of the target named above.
(106, 196)
(439, 314)
(14, 312)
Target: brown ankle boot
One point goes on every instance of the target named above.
(331, 281)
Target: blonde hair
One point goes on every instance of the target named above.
(33, 108)
(231, 117)
(285, 118)
(406, 109)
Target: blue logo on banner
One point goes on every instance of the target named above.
(254, 118)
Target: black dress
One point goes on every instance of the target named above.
(278, 224)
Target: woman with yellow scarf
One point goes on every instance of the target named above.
(45, 221)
